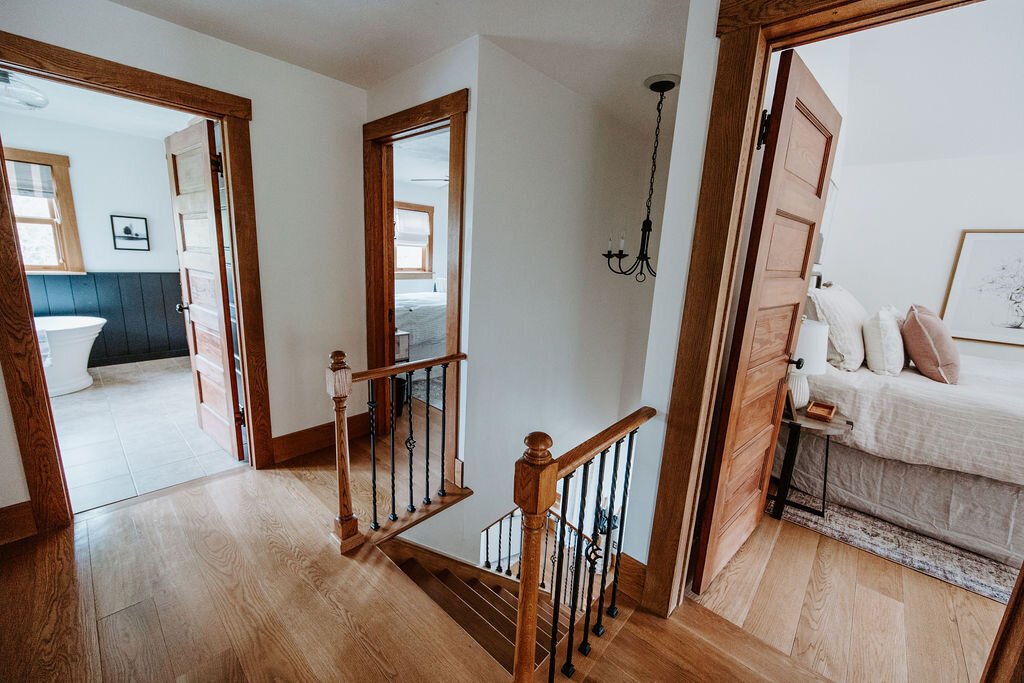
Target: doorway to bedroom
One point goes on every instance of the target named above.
(907, 326)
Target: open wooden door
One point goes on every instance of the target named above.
(800, 149)
(193, 166)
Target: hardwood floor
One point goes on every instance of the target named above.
(850, 615)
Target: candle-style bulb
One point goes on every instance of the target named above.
(622, 242)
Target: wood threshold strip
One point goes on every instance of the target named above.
(399, 368)
(603, 439)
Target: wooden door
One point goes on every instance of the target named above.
(193, 166)
(797, 165)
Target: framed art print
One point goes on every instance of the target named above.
(130, 233)
(985, 297)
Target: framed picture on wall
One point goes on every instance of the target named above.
(131, 233)
(985, 297)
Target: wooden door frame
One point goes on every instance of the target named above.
(749, 30)
(378, 200)
(19, 349)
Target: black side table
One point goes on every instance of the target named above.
(840, 424)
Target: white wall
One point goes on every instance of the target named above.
(307, 168)
(111, 173)
(934, 146)
(436, 197)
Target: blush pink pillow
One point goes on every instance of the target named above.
(930, 345)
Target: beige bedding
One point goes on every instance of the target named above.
(975, 427)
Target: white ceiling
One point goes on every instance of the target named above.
(70, 104)
(422, 157)
(602, 49)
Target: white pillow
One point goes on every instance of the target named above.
(845, 318)
(883, 342)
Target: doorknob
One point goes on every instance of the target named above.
(799, 363)
(181, 308)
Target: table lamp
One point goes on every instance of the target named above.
(812, 347)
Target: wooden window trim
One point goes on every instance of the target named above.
(68, 242)
(427, 270)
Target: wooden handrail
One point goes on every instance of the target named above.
(399, 368)
(553, 513)
(572, 459)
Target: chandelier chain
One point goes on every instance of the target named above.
(654, 155)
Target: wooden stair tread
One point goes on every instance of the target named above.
(543, 609)
(499, 647)
(497, 603)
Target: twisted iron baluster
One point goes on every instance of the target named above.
(593, 553)
(557, 577)
(519, 567)
(372, 405)
(599, 627)
(498, 568)
(544, 559)
(508, 566)
(410, 443)
(568, 669)
(568, 570)
(426, 482)
(391, 384)
(613, 611)
(487, 548)
(444, 411)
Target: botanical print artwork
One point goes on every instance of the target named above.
(986, 293)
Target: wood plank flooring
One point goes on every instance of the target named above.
(850, 615)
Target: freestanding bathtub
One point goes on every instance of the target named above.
(70, 339)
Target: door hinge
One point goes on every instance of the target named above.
(240, 417)
(217, 163)
(762, 131)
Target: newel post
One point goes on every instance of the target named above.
(339, 386)
(535, 491)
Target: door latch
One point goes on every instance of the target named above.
(181, 308)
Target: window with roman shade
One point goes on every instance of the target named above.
(414, 238)
(44, 211)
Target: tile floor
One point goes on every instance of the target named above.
(133, 431)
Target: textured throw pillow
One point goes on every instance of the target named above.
(883, 342)
(845, 318)
(931, 346)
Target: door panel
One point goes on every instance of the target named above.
(790, 201)
(195, 189)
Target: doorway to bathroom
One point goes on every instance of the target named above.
(123, 222)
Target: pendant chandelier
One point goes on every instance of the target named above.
(641, 266)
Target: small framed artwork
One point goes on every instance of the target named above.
(130, 233)
(985, 297)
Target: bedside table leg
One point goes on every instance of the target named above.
(786, 477)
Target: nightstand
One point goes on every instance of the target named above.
(840, 424)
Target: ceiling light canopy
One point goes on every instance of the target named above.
(17, 94)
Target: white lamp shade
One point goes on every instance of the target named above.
(812, 346)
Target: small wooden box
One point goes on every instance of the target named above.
(820, 411)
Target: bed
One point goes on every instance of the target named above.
(946, 461)
(422, 316)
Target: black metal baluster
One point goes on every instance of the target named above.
(426, 481)
(372, 405)
(557, 576)
(508, 565)
(565, 576)
(519, 567)
(568, 669)
(593, 551)
(410, 443)
(544, 552)
(498, 568)
(391, 384)
(613, 611)
(444, 411)
(599, 627)
(487, 548)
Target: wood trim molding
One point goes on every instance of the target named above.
(16, 522)
(632, 576)
(421, 115)
(316, 438)
(749, 29)
(1006, 660)
(94, 73)
(428, 260)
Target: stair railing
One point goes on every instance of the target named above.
(536, 482)
(340, 380)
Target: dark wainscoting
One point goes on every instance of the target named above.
(139, 307)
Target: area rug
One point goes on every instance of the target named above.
(419, 390)
(946, 562)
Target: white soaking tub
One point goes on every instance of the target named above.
(70, 339)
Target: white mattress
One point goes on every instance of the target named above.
(422, 316)
(975, 427)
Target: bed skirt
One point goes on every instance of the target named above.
(969, 511)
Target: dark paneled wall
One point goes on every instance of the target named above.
(139, 307)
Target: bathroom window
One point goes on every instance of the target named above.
(44, 211)
(414, 239)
